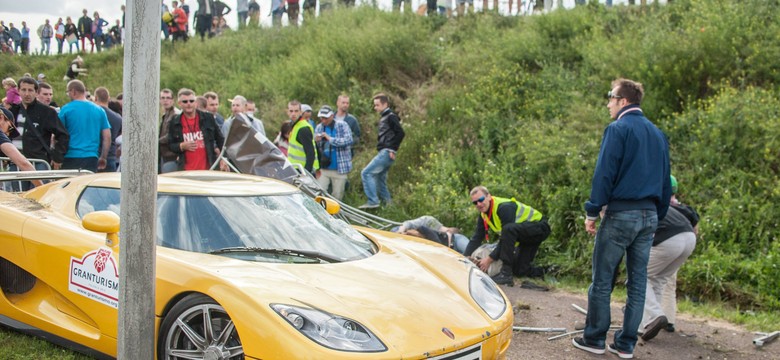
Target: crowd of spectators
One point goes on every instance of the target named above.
(178, 21)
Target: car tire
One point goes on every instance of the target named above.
(197, 327)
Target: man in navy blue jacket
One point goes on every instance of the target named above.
(631, 184)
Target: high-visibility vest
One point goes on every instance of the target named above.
(524, 213)
(295, 152)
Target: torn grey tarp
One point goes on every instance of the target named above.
(252, 153)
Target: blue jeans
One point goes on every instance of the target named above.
(630, 232)
(375, 177)
(25, 185)
(89, 163)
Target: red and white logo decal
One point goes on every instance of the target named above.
(95, 276)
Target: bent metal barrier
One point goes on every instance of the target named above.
(249, 152)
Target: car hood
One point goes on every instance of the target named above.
(406, 293)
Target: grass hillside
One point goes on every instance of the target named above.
(518, 104)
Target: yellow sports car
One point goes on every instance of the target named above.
(247, 268)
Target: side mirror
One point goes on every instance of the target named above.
(103, 221)
(330, 205)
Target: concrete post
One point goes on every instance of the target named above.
(139, 181)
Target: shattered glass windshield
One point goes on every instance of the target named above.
(276, 228)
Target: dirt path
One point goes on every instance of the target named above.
(694, 339)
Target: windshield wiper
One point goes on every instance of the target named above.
(288, 252)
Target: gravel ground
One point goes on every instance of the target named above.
(695, 338)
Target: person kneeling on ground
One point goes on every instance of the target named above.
(430, 228)
(521, 230)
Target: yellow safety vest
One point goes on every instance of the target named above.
(524, 213)
(295, 152)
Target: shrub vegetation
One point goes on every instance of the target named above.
(518, 104)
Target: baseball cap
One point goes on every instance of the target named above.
(10, 116)
(305, 108)
(237, 97)
(325, 111)
(41, 76)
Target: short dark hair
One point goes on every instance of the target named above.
(44, 85)
(382, 98)
(116, 106)
(629, 90)
(28, 80)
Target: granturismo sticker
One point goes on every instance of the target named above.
(95, 276)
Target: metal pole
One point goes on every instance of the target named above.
(139, 181)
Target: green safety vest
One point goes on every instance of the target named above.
(295, 152)
(524, 213)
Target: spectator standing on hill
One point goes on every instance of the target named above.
(254, 13)
(85, 31)
(16, 36)
(115, 32)
(165, 20)
(309, 8)
(167, 157)
(71, 35)
(97, 31)
(186, 8)
(115, 120)
(521, 230)
(220, 10)
(389, 137)
(42, 126)
(242, 9)
(212, 105)
(334, 143)
(179, 27)
(46, 32)
(673, 243)
(302, 149)
(203, 18)
(631, 180)
(342, 114)
(347, 3)
(5, 40)
(89, 129)
(194, 136)
(293, 9)
(277, 11)
(59, 34)
(25, 38)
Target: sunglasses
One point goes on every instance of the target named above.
(478, 201)
(187, 101)
(610, 95)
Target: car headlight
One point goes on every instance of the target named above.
(485, 292)
(329, 330)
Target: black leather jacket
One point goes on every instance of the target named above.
(212, 136)
(45, 121)
(390, 132)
